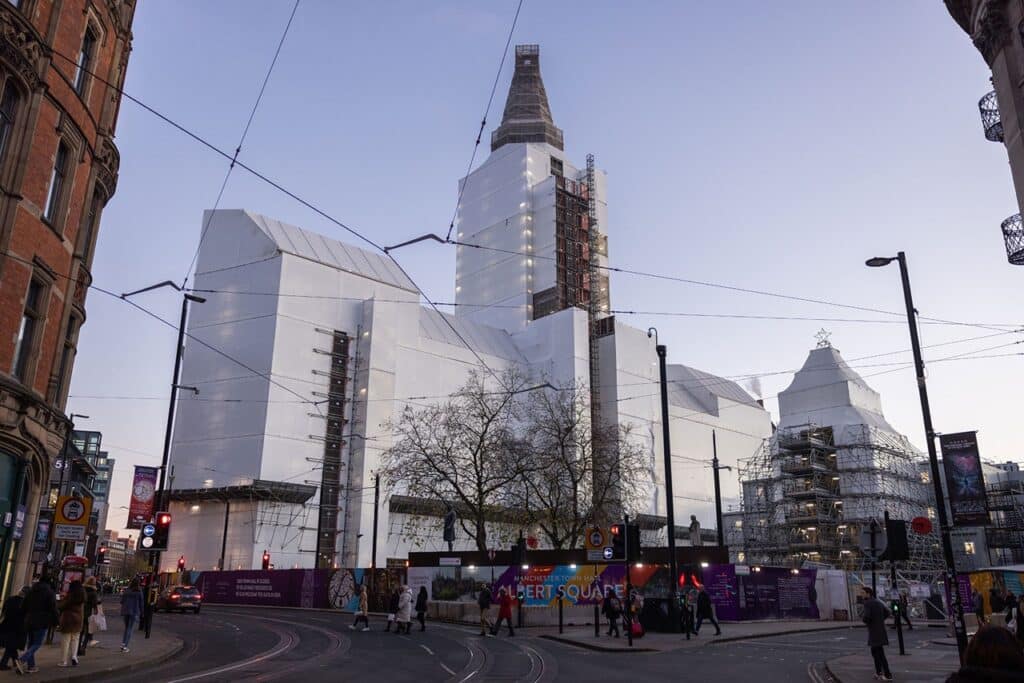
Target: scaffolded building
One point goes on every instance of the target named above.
(834, 465)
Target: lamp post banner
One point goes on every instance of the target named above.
(140, 509)
(965, 483)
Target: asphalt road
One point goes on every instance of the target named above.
(240, 644)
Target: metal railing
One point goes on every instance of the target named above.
(991, 121)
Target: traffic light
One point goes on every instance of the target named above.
(519, 553)
(618, 541)
(896, 547)
(633, 548)
(162, 531)
(101, 555)
(181, 563)
(266, 560)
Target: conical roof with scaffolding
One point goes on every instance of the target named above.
(527, 116)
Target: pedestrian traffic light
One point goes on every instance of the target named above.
(266, 560)
(618, 541)
(181, 563)
(896, 547)
(161, 531)
(519, 553)
(101, 555)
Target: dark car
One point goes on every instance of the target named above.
(179, 598)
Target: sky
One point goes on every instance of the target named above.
(768, 146)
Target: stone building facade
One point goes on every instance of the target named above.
(62, 65)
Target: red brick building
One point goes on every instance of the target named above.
(58, 169)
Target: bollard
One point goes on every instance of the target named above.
(597, 621)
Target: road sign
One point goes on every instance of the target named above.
(146, 539)
(880, 541)
(609, 552)
(148, 530)
(72, 518)
(595, 538)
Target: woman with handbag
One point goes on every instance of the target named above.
(72, 616)
(92, 606)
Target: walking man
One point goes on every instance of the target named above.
(979, 606)
(483, 601)
(612, 608)
(393, 608)
(705, 610)
(875, 614)
(905, 610)
(40, 616)
(504, 612)
(421, 608)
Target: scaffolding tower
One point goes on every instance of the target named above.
(811, 489)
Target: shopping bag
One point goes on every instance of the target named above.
(637, 629)
(98, 622)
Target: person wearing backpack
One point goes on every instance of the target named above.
(40, 616)
(612, 609)
(483, 601)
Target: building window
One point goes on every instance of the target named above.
(27, 330)
(67, 356)
(8, 110)
(968, 547)
(925, 479)
(85, 61)
(57, 177)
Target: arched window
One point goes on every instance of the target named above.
(8, 113)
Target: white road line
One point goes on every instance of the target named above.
(429, 651)
(253, 660)
(445, 667)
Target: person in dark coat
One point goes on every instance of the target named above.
(904, 610)
(132, 608)
(875, 614)
(993, 655)
(483, 601)
(393, 609)
(12, 628)
(421, 608)
(1010, 603)
(978, 605)
(40, 616)
(92, 603)
(72, 616)
(611, 607)
(705, 611)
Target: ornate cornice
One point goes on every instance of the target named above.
(107, 161)
(992, 29)
(20, 46)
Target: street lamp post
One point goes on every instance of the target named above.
(670, 512)
(60, 483)
(959, 626)
(172, 403)
(718, 488)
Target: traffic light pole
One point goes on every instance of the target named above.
(897, 612)
(629, 584)
(673, 586)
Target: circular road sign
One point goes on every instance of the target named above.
(147, 542)
(595, 536)
(148, 530)
(609, 552)
(73, 510)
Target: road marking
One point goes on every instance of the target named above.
(282, 647)
(445, 667)
(429, 651)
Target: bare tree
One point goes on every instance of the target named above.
(583, 474)
(462, 453)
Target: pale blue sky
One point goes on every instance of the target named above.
(764, 145)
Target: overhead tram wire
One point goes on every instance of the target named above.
(483, 120)
(241, 141)
(323, 214)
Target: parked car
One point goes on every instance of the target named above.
(179, 598)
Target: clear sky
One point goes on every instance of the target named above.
(763, 145)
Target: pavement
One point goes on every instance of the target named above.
(929, 660)
(665, 642)
(105, 659)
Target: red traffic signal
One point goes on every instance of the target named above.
(266, 559)
(163, 519)
(616, 529)
(181, 563)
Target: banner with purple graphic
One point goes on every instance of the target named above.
(965, 483)
(776, 593)
(336, 588)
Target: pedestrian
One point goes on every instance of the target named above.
(1010, 602)
(393, 608)
(611, 607)
(993, 655)
(421, 608)
(72, 614)
(403, 617)
(12, 628)
(686, 602)
(92, 606)
(483, 601)
(904, 612)
(131, 610)
(1020, 619)
(995, 600)
(875, 614)
(705, 610)
(363, 613)
(40, 616)
(978, 603)
(504, 613)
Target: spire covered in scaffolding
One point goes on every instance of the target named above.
(527, 116)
